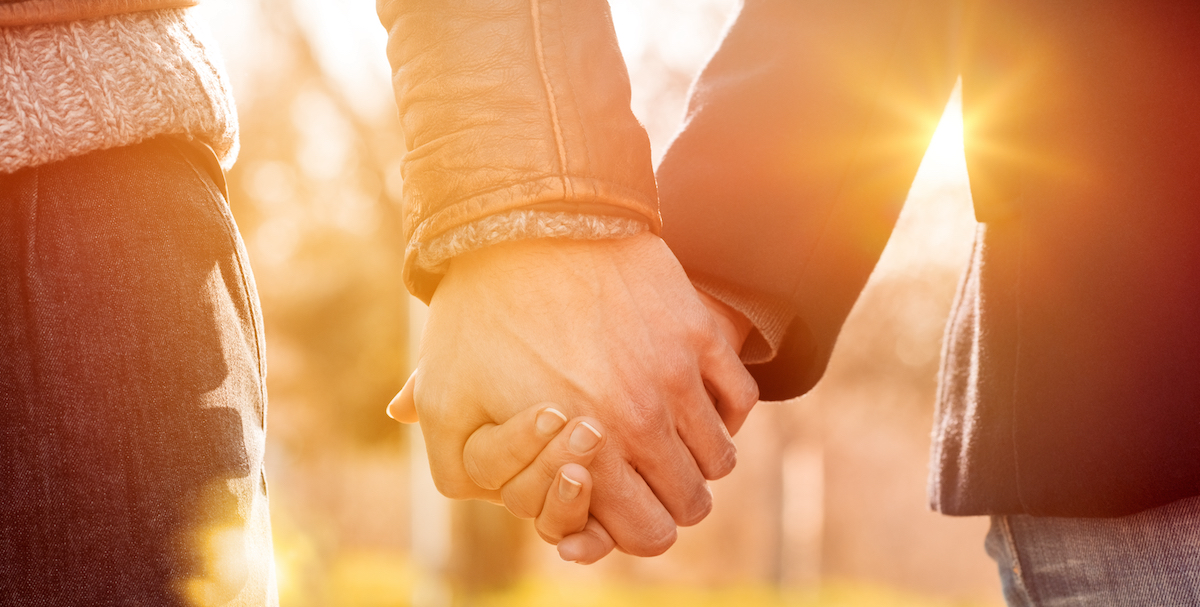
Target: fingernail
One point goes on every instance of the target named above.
(549, 421)
(584, 438)
(568, 488)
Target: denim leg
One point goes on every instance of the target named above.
(132, 396)
(1149, 558)
(999, 545)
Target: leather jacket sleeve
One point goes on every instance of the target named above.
(20, 13)
(511, 104)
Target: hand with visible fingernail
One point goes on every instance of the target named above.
(538, 460)
(584, 438)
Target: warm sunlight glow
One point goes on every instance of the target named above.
(936, 227)
(225, 568)
(944, 159)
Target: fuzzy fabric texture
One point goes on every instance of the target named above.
(523, 225)
(70, 88)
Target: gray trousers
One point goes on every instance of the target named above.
(132, 387)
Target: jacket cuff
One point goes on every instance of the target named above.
(770, 317)
(523, 224)
(497, 117)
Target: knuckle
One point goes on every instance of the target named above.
(705, 331)
(679, 378)
(655, 541)
(749, 392)
(549, 539)
(722, 464)
(712, 342)
(697, 508)
(649, 423)
(545, 530)
(548, 462)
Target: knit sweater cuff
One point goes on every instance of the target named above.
(76, 87)
(523, 224)
(770, 317)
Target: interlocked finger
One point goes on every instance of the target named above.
(587, 546)
(566, 508)
(495, 453)
(577, 443)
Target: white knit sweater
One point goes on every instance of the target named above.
(71, 88)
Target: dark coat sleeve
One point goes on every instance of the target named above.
(802, 138)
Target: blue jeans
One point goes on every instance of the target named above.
(1151, 558)
(132, 396)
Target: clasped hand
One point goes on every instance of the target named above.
(645, 387)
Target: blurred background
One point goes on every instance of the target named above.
(827, 505)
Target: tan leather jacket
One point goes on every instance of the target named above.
(511, 104)
(15, 13)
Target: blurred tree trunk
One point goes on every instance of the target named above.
(487, 546)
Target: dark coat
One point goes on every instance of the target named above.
(1071, 373)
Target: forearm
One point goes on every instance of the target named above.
(509, 105)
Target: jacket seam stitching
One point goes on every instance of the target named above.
(583, 138)
(218, 199)
(1024, 583)
(540, 52)
(21, 15)
(31, 285)
(1016, 369)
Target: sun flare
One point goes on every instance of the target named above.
(944, 158)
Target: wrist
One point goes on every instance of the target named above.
(548, 221)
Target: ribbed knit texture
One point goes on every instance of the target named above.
(523, 225)
(67, 89)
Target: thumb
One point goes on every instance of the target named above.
(402, 408)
